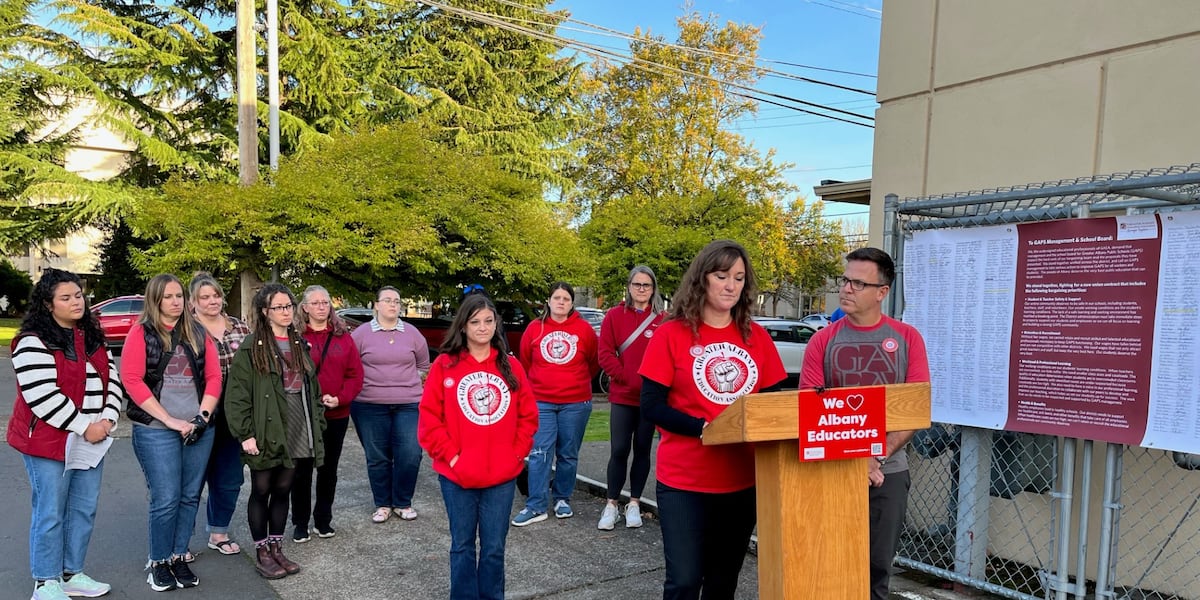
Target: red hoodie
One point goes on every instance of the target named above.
(467, 410)
(622, 367)
(560, 359)
(339, 371)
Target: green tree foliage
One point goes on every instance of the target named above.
(664, 233)
(655, 131)
(387, 207)
(118, 276)
(801, 251)
(16, 286)
(486, 88)
(660, 173)
(44, 76)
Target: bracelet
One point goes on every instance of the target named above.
(880, 459)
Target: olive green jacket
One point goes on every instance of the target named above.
(256, 407)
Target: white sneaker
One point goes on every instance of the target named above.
(82, 585)
(633, 516)
(51, 590)
(608, 518)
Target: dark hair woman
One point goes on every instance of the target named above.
(273, 403)
(706, 355)
(340, 373)
(395, 360)
(624, 336)
(559, 353)
(173, 377)
(68, 402)
(224, 474)
(477, 420)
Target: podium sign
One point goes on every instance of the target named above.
(837, 424)
(812, 516)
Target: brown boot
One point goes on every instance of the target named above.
(277, 554)
(265, 563)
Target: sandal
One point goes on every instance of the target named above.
(226, 547)
(381, 514)
(408, 514)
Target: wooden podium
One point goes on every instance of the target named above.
(813, 540)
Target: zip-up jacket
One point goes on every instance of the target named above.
(256, 407)
(622, 367)
(339, 369)
(60, 391)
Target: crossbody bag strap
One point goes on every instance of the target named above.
(324, 352)
(636, 332)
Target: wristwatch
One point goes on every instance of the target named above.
(206, 415)
(880, 459)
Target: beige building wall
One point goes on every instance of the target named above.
(982, 94)
(99, 154)
(977, 94)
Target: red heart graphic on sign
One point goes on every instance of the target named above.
(855, 401)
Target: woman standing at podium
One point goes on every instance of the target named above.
(704, 357)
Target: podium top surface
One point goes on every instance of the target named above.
(776, 415)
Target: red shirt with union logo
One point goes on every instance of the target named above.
(705, 375)
(560, 359)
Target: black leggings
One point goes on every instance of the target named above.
(267, 508)
(627, 429)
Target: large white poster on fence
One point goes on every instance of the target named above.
(1086, 328)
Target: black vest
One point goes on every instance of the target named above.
(155, 366)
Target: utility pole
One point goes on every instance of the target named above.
(247, 97)
(273, 82)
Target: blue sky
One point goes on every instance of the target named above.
(834, 34)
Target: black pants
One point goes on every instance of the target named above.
(628, 430)
(705, 538)
(888, 505)
(302, 503)
(267, 507)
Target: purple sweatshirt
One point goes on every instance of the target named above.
(393, 361)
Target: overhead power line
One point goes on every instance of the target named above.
(847, 8)
(609, 32)
(650, 66)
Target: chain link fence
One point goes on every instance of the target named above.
(1158, 549)
(1028, 516)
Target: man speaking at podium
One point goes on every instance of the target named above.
(870, 348)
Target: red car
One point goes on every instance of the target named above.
(117, 316)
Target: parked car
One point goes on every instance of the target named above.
(356, 316)
(816, 320)
(117, 316)
(791, 338)
(594, 316)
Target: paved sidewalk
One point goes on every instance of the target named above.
(397, 560)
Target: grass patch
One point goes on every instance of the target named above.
(9, 329)
(597, 427)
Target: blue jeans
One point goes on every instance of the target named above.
(560, 433)
(705, 538)
(481, 512)
(64, 511)
(388, 433)
(224, 476)
(174, 476)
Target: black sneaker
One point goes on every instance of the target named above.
(161, 578)
(326, 531)
(300, 534)
(183, 573)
